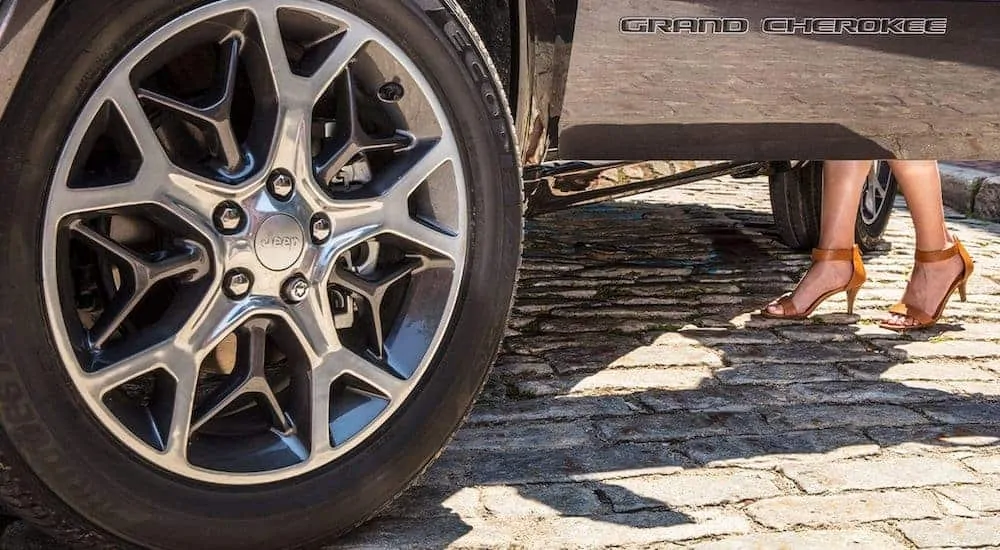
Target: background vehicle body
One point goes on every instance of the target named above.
(583, 96)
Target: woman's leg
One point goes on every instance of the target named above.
(921, 184)
(843, 182)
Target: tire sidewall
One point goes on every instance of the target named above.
(70, 464)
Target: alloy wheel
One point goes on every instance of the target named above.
(255, 240)
(876, 198)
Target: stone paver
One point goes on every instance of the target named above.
(640, 528)
(720, 486)
(984, 464)
(640, 403)
(878, 474)
(574, 500)
(846, 508)
(953, 532)
(975, 497)
(826, 539)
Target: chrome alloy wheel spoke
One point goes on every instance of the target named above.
(876, 191)
(374, 293)
(333, 367)
(250, 380)
(305, 91)
(139, 276)
(352, 139)
(216, 111)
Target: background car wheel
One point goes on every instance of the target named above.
(877, 202)
(258, 262)
(797, 202)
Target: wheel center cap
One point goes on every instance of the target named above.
(279, 242)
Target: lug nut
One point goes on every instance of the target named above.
(228, 218)
(322, 228)
(295, 289)
(281, 185)
(237, 284)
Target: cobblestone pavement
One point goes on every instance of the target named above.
(639, 403)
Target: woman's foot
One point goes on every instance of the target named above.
(927, 289)
(822, 278)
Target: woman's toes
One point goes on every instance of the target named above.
(904, 321)
(899, 320)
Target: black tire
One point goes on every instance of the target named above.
(66, 474)
(797, 203)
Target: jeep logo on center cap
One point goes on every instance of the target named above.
(279, 242)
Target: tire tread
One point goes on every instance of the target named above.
(796, 201)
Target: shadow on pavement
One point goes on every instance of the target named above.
(634, 352)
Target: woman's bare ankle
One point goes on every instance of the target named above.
(822, 278)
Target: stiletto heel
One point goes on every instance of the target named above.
(852, 294)
(922, 318)
(858, 278)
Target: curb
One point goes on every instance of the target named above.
(971, 191)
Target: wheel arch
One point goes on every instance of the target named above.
(497, 23)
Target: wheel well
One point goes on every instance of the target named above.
(496, 23)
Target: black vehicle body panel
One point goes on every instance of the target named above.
(583, 89)
(598, 93)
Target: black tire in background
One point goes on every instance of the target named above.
(797, 204)
(66, 474)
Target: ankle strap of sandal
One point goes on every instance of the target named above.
(932, 256)
(833, 255)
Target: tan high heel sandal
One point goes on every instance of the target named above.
(858, 278)
(921, 317)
